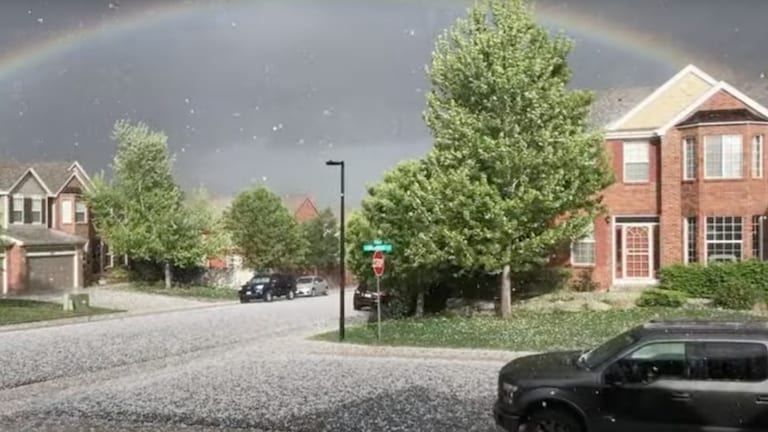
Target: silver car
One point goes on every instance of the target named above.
(310, 286)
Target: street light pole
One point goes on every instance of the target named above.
(342, 249)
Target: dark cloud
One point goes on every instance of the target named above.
(271, 89)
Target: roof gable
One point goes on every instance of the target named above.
(686, 87)
(36, 187)
(723, 116)
(701, 102)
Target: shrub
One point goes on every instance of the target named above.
(584, 282)
(689, 279)
(735, 294)
(661, 298)
(709, 281)
(119, 274)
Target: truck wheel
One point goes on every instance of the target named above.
(268, 297)
(244, 300)
(291, 295)
(553, 420)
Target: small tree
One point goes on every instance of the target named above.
(322, 237)
(141, 212)
(261, 226)
(501, 114)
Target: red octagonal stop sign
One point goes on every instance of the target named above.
(378, 263)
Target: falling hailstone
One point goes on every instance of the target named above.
(183, 149)
(326, 112)
(264, 178)
(237, 114)
(192, 111)
(234, 24)
(186, 101)
(21, 113)
(77, 144)
(412, 32)
(40, 20)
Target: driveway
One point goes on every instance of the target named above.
(235, 367)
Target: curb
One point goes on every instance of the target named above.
(102, 317)
(346, 349)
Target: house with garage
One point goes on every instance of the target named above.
(691, 186)
(49, 241)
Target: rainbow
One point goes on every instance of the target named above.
(570, 20)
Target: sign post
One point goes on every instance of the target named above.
(378, 269)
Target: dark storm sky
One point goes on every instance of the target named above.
(272, 89)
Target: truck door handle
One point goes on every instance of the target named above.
(681, 396)
(762, 399)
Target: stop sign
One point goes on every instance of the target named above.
(378, 263)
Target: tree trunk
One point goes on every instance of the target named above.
(168, 275)
(420, 304)
(506, 292)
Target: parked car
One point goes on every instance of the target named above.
(366, 296)
(311, 286)
(662, 376)
(267, 287)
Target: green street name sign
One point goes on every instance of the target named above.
(377, 245)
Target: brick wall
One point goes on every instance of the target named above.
(16, 269)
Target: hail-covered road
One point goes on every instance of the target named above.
(235, 367)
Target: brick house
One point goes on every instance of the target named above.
(50, 242)
(690, 186)
(302, 207)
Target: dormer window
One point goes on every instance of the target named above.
(17, 216)
(36, 213)
(27, 210)
(81, 212)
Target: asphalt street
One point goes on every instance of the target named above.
(238, 367)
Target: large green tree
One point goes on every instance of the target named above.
(264, 230)
(142, 212)
(502, 115)
(322, 237)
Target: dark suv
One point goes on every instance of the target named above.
(664, 376)
(267, 287)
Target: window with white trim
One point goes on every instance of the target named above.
(691, 231)
(757, 156)
(583, 250)
(36, 211)
(81, 212)
(757, 236)
(689, 158)
(17, 216)
(723, 155)
(636, 162)
(66, 211)
(724, 238)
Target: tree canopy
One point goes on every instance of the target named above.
(142, 212)
(516, 170)
(322, 237)
(265, 232)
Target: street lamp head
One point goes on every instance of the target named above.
(334, 163)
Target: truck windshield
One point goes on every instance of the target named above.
(602, 353)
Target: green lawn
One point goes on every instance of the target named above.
(193, 292)
(526, 331)
(13, 311)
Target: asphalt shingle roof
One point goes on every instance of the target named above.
(52, 173)
(39, 235)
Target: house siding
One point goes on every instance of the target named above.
(29, 186)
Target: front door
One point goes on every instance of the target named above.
(635, 252)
